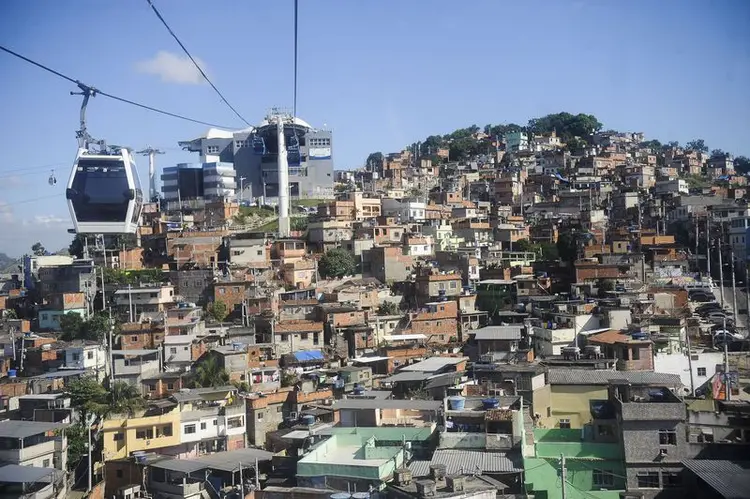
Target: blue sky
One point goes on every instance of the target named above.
(379, 73)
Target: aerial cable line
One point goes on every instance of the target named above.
(184, 49)
(105, 94)
(294, 113)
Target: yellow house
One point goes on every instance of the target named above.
(155, 428)
(566, 400)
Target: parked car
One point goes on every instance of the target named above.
(701, 297)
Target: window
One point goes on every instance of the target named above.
(118, 437)
(222, 291)
(260, 252)
(170, 386)
(667, 437)
(167, 430)
(212, 149)
(671, 479)
(144, 434)
(453, 284)
(603, 478)
(648, 480)
(45, 463)
(189, 428)
(133, 338)
(260, 416)
(565, 424)
(702, 371)
(605, 430)
(76, 357)
(215, 422)
(89, 355)
(203, 426)
(636, 354)
(284, 337)
(173, 350)
(151, 388)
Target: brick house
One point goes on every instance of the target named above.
(438, 321)
(296, 335)
(632, 351)
(141, 336)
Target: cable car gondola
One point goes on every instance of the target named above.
(52, 179)
(103, 192)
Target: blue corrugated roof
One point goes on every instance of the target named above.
(308, 355)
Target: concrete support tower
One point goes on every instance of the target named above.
(151, 153)
(284, 224)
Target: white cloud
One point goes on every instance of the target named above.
(11, 182)
(18, 234)
(45, 220)
(172, 68)
(6, 213)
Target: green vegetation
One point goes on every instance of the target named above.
(307, 203)
(388, 308)
(92, 399)
(697, 182)
(566, 125)
(698, 145)
(546, 251)
(38, 249)
(272, 226)
(217, 310)
(95, 328)
(249, 211)
(742, 165)
(337, 262)
(208, 373)
(134, 277)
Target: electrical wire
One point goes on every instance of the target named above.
(184, 49)
(111, 96)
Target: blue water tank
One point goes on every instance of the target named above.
(12, 373)
(340, 495)
(359, 390)
(308, 419)
(490, 404)
(457, 403)
(339, 383)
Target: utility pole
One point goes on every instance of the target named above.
(708, 249)
(563, 476)
(734, 289)
(88, 433)
(130, 302)
(111, 348)
(151, 153)
(727, 382)
(690, 361)
(721, 275)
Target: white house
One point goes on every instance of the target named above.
(704, 363)
(88, 355)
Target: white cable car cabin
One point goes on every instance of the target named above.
(104, 193)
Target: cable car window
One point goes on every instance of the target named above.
(101, 190)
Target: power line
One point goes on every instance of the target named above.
(121, 99)
(295, 58)
(184, 49)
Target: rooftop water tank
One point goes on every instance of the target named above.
(359, 390)
(12, 373)
(457, 403)
(361, 495)
(490, 404)
(340, 495)
(308, 419)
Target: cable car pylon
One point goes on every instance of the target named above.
(151, 153)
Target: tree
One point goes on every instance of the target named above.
(388, 308)
(89, 397)
(742, 164)
(218, 310)
(550, 252)
(38, 249)
(697, 145)
(652, 144)
(77, 442)
(71, 325)
(208, 373)
(337, 262)
(126, 399)
(567, 246)
(717, 153)
(575, 145)
(11, 314)
(375, 160)
(523, 245)
(77, 246)
(566, 125)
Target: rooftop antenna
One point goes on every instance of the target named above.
(151, 153)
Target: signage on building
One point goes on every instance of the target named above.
(320, 153)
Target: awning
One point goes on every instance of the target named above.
(308, 356)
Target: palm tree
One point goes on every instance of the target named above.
(126, 399)
(209, 373)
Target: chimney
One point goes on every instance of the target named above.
(437, 472)
(425, 488)
(402, 476)
(455, 483)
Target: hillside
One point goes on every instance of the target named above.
(8, 264)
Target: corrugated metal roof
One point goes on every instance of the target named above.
(469, 461)
(730, 479)
(406, 376)
(498, 333)
(23, 429)
(434, 364)
(15, 473)
(603, 377)
(417, 405)
(224, 461)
